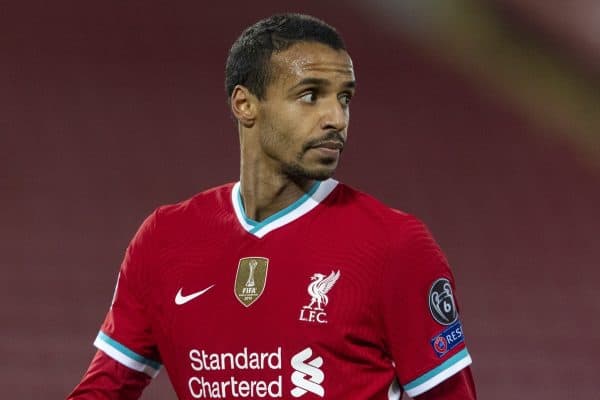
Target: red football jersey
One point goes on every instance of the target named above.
(335, 296)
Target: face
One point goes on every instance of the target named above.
(303, 120)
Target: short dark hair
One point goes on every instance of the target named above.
(248, 63)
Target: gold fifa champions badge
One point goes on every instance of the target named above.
(250, 279)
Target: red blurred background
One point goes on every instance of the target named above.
(109, 109)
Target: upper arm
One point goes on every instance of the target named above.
(128, 356)
(127, 332)
(422, 326)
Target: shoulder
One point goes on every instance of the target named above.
(401, 235)
(404, 241)
(201, 205)
(200, 209)
(207, 199)
(371, 213)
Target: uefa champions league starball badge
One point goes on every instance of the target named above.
(441, 302)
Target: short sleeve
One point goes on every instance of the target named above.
(126, 334)
(422, 325)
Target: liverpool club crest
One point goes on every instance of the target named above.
(250, 279)
(318, 288)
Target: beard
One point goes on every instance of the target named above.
(326, 168)
(297, 167)
(297, 172)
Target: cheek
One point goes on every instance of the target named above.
(280, 129)
(274, 138)
(287, 127)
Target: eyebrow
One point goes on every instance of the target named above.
(321, 82)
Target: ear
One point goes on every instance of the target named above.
(244, 105)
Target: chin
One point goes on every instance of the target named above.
(320, 176)
(301, 172)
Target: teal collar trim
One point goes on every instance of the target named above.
(317, 193)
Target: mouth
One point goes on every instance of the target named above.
(329, 144)
(329, 150)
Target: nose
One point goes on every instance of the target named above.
(335, 116)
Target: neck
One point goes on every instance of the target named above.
(265, 190)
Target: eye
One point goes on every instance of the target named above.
(345, 99)
(309, 97)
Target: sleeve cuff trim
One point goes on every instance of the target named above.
(125, 356)
(439, 374)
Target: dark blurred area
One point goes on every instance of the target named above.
(109, 109)
(572, 26)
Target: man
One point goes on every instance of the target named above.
(286, 284)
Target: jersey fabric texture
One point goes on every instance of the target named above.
(336, 296)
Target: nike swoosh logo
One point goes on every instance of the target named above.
(181, 299)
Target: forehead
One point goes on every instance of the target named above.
(306, 59)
